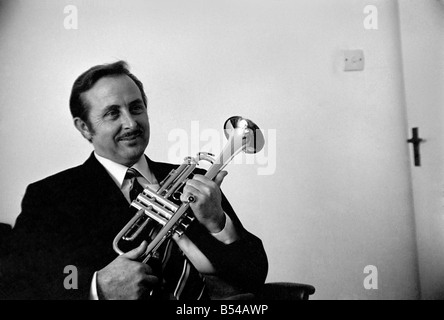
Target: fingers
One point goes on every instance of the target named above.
(136, 252)
(202, 188)
(150, 280)
(204, 184)
(190, 191)
(220, 177)
(124, 278)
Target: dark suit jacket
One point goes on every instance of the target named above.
(71, 219)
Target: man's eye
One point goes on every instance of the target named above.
(112, 113)
(138, 108)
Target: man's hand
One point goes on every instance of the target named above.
(124, 278)
(207, 206)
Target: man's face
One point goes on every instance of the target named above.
(118, 119)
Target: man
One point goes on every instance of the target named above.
(62, 240)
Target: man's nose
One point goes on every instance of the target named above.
(128, 120)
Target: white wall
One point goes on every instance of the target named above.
(339, 198)
(422, 29)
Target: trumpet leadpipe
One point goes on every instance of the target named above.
(181, 180)
(173, 175)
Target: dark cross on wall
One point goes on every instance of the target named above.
(415, 140)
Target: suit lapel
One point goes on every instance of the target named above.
(102, 186)
(160, 169)
(109, 203)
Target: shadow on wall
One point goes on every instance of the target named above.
(6, 14)
(5, 8)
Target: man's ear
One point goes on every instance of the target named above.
(83, 128)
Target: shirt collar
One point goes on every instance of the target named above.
(117, 171)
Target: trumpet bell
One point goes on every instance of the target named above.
(254, 140)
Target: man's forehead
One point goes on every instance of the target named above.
(112, 89)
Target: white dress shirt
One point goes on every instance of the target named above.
(117, 172)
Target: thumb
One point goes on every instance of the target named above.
(136, 252)
(220, 177)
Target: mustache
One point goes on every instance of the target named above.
(131, 134)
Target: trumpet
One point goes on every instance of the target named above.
(158, 217)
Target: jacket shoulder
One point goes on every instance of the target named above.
(63, 177)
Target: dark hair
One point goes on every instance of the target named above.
(87, 80)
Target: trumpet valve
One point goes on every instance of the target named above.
(183, 225)
(179, 231)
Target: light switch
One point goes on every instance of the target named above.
(353, 60)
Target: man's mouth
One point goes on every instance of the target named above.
(130, 136)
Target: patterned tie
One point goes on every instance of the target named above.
(136, 188)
